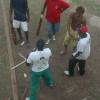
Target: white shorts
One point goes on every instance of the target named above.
(20, 24)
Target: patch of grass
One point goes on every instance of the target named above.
(74, 1)
(1, 29)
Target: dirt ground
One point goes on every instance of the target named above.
(67, 88)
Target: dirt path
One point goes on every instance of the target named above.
(10, 53)
(5, 86)
(76, 88)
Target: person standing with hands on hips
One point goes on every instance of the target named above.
(54, 9)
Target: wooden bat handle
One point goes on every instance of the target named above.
(39, 27)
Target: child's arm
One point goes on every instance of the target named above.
(68, 26)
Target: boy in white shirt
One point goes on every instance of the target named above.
(81, 53)
(39, 60)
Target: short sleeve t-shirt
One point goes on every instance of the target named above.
(19, 7)
(54, 9)
(39, 60)
(84, 47)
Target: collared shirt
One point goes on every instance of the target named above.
(39, 60)
(83, 46)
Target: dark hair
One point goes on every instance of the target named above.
(40, 44)
(80, 9)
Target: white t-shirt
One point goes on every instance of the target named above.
(39, 60)
(83, 46)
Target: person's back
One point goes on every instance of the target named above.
(40, 59)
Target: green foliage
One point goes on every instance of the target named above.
(74, 1)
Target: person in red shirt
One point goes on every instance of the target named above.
(53, 13)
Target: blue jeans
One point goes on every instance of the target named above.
(52, 29)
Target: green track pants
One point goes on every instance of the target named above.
(35, 76)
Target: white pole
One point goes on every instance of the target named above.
(20, 62)
(18, 65)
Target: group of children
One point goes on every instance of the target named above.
(77, 36)
(39, 61)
